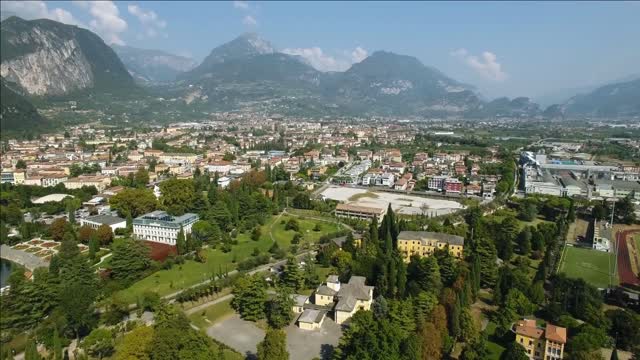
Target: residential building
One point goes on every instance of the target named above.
(453, 186)
(160, 227)
(223, 182)
(114, 222)
(541, 343)
(359, 212)
(100, 182)
(341, 301)
(425, 243)
(437, 182)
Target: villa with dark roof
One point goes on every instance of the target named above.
(340, 301)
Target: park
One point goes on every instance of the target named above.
(191, 272)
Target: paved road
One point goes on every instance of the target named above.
(23, 258)
(203, 306)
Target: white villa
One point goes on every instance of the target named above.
(160, 227)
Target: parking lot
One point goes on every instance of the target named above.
(244, 336)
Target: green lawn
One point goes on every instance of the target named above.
(165, 282)
(495, 349)
(212, 313)
(595, 267)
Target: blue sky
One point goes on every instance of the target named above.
(503, 48)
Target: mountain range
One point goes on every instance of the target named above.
(48, 58)
(44, 58)
(151, 66)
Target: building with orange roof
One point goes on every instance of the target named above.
(541, 343)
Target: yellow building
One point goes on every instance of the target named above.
(424, 243)
(541, 343)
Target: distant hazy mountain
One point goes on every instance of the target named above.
(560, 96)
(618, 99)
(240, 48)
(505, 107)
(46, 57)
(153, 65)
(248, 70)
(398, 84)
(16, 112)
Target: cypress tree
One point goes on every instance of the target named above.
(57, 345)
(181, 243)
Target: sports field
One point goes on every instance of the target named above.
(595, 267)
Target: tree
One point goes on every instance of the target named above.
(514, 351)
(104, 234)
(468, 326)
(524, 241)
(116, 309)
(279, 312)
(99, 343)
(77, 293)
(292, 224)
(85, 233)
(425, 272)
(136, 345)
(624, 326)
(487, 256)
(249, 297)
(94, 247)
(292, 276)
(174, 338)
(133, 202)
(57, 345)
(206, 232)
(431, 342)
(256, 233)
(614, 354)
(274, 346)
(21, 164)
(31, 351)
(599, 211)
(58, 228)
(519, 303)
(181, 242)
(178, 195)
(625, 211)
(130, 260)
(141, 178)
(528, 211)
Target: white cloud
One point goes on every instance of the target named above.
(152, 24)
(249, 21)
(38, 10)
(147, 17)
(241, 5)
(486, 65)
(358, 54)
(106, 20)
(325, 62)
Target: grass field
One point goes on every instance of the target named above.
(211, 314)
(179, 277)
(595, 267)
(495, 349)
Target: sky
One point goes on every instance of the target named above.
(501, 48)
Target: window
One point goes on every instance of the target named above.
(530, 342)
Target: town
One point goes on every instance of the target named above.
(282, 180)
(248, 228)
